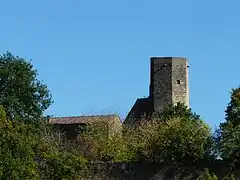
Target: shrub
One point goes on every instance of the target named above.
(98, 145)
(177, 140)
(206, 175)
(34, 151)
(17, 152)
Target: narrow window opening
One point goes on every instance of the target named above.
(178, 82)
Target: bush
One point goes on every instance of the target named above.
(98, 145)
(228, 135)
(56, 158)
(34, 151)
(179, 110)
(17, 152)
(206, 175)
(177, 140)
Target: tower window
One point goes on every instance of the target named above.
(178, 82)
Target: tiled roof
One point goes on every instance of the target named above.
(82, 119)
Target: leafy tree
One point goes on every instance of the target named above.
(206, 175)
(176, 140)
(98, 145)
(233, 108)
(174, 134)
(17, 150)
(229, 141)
(178, 110)
(228, 136)
(229, 177)
(21, 93)
(28, 151)
(62, 164)
(29, 147)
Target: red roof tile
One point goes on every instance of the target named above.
(82, 119)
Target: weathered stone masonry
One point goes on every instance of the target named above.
(168, 85)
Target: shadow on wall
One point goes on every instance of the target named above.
(154, 171)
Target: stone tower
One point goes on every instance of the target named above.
(168, 81)
(168, 85)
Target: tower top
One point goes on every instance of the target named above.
(167, 57)
(168, 85)
(168, 81)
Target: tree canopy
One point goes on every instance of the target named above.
(233, 108)
(30, 150)
(179, 110)
(229, 132)
(21, 93)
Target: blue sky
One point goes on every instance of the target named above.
(94, 55)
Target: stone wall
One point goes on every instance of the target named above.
(180, 81)
(153, 171)
(143, 107)
(169, 81)
(161, 82)
(168, 85)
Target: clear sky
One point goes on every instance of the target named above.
(94, 55)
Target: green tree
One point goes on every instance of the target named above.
(233, 108)
(98, 145)
(28, 151)
(175, 140)
(179, 110)
(21, 93)
(17, 150)
(228, 136)
(206, 175)
(61, 163)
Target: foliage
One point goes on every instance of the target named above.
(229, 142)
(17, 150)
(228, 136)
(98, 145)
(206, 175)
(62, 165)
(178, 110)
(177, 140)
(229, 177)
(27, 152)
(32, 149)
(56, 159)
(29, 147)
(21, 93)
(233, 108)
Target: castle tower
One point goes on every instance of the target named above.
(168, 85)
(168, 81)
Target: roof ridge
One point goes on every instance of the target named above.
(82, 119)
(80, 116)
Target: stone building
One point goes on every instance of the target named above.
(168, 85)
(73, 124)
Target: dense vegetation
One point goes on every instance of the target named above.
(30, 148)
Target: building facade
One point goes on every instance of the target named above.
(168, 85)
